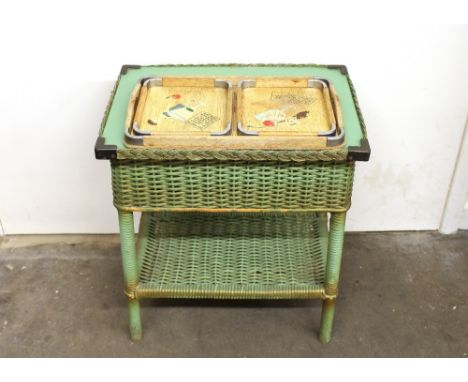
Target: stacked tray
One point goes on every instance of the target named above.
(234, 113)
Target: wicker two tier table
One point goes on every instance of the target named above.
(243, 175)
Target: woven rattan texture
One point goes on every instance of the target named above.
(233, 255)
(151, 185)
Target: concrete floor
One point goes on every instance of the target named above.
(402, 294)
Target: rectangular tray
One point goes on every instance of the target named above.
(234, 113)
(179, 106)
(306, 107)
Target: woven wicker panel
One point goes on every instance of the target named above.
(233, 255)
(151, 185)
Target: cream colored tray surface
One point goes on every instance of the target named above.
(234, 112)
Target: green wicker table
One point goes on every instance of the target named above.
(232, 223)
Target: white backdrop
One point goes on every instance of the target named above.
(59, 63)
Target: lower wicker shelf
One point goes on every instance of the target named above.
(232, 255)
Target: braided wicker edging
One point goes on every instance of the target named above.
(358, 108)
(144, 291)
(237, 155)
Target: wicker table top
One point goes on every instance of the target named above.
(112, 145)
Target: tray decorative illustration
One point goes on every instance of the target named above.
(234, 112)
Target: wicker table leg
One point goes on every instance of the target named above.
(335, 249)
(323, 230)
(129, 262)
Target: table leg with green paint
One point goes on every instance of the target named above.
(130, 269)
(232, 223)
(332, 273)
